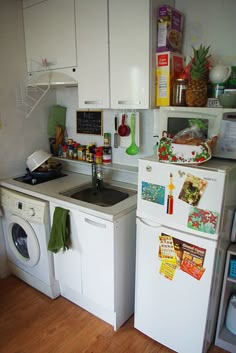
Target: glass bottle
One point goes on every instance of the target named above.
(179, 92)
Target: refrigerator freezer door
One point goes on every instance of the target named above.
(186, 198)
(171, 305)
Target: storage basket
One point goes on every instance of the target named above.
(232, 268)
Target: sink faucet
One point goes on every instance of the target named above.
(97, 177)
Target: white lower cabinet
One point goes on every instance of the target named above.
(98, 271)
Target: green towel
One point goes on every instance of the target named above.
(57, 117)
(60, 232)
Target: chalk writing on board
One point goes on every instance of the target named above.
(89, 122)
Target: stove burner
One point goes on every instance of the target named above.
(28, 179)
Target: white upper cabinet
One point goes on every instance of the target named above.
(130, 53)
(93, 62)
(133, 43)
(50, 34)
(116, 43)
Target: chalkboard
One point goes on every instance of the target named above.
(89, 122)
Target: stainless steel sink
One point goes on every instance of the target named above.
(110, 195)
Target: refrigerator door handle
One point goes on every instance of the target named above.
(148, 223)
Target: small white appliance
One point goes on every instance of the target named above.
(219, 122)
(182, 239)
(26, 231)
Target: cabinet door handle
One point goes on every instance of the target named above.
(129, 102)
(93, 102)
(95, 224)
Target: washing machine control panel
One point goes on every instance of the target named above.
(25, 206)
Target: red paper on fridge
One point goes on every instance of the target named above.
(167, 250)
(192, 269)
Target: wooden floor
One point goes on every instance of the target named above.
(30, 322)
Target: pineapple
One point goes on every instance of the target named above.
(196, 93)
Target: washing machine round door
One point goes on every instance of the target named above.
(23, 241)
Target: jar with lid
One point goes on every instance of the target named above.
(81, 153)
(106, 158)
(90, 150)
(179, 91)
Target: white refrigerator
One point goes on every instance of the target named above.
(184, 216)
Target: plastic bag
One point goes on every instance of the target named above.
(193, 135)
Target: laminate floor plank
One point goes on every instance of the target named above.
(30, 322)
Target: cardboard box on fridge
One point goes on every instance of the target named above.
(168, 66)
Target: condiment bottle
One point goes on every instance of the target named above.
(98, 155)
(64, 151)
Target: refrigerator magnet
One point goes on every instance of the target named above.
(153, 193)
(192, 189)
(202, 220)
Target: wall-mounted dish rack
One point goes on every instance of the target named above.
(29, 95)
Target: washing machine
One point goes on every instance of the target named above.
(26, 231)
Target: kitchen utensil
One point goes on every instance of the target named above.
(133, 148)
(36, 159)
(46, 172)
(59, 135)
(220, 73)
(116, 136)
(123, 130)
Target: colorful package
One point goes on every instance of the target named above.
(168, 66)
(170, 29)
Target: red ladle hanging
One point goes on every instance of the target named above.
(123, 129)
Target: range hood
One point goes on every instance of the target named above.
(57, 77)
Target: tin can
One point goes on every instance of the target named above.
(107, 139)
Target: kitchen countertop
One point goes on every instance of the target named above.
(51, 191)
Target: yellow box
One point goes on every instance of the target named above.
(168, 66)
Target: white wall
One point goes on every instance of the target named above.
(211, 22)
(68, 97)
(19, 137)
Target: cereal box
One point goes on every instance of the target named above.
(168, 66)
(170, 29)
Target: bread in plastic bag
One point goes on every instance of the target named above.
(195, 134)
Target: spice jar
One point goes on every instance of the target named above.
(106, 158)
(179, 92)
(98, 158)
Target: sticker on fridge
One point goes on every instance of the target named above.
(192, 189)
(153, 193)
(202, 220)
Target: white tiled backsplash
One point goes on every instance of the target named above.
(68, 97)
